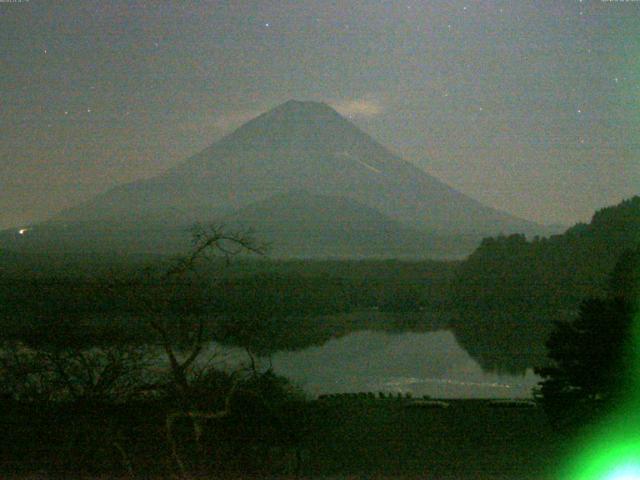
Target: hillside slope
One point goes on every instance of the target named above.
(509, 292)
(296, 147)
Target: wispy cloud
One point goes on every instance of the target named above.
(364, 107)
(205, 123)
(232, 120)
(224, 123)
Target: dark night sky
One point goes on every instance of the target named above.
(528, 106)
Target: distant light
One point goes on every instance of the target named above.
(22, 231)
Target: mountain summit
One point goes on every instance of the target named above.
(296, 146)
(298, 150)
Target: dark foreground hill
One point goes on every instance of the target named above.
(350, 438)
(510, 291)
(260, 172)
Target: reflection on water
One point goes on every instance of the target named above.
(420, 363)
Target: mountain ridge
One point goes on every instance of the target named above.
(300, 224)
(520, 287)
(296, 146)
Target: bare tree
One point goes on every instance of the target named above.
(209, 242)
(107, 373)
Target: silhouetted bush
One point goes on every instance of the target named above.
(592, 357)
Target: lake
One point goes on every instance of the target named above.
(425, 363)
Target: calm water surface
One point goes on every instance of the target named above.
(429, 363)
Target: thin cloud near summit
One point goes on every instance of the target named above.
(358, 108)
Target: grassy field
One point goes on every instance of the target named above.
(344, 438)
(468, 439)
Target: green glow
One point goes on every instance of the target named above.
(611, 457)
(625, 472)
(612, 450)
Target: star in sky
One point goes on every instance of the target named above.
(458, 55)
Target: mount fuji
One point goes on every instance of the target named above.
(300, 173)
